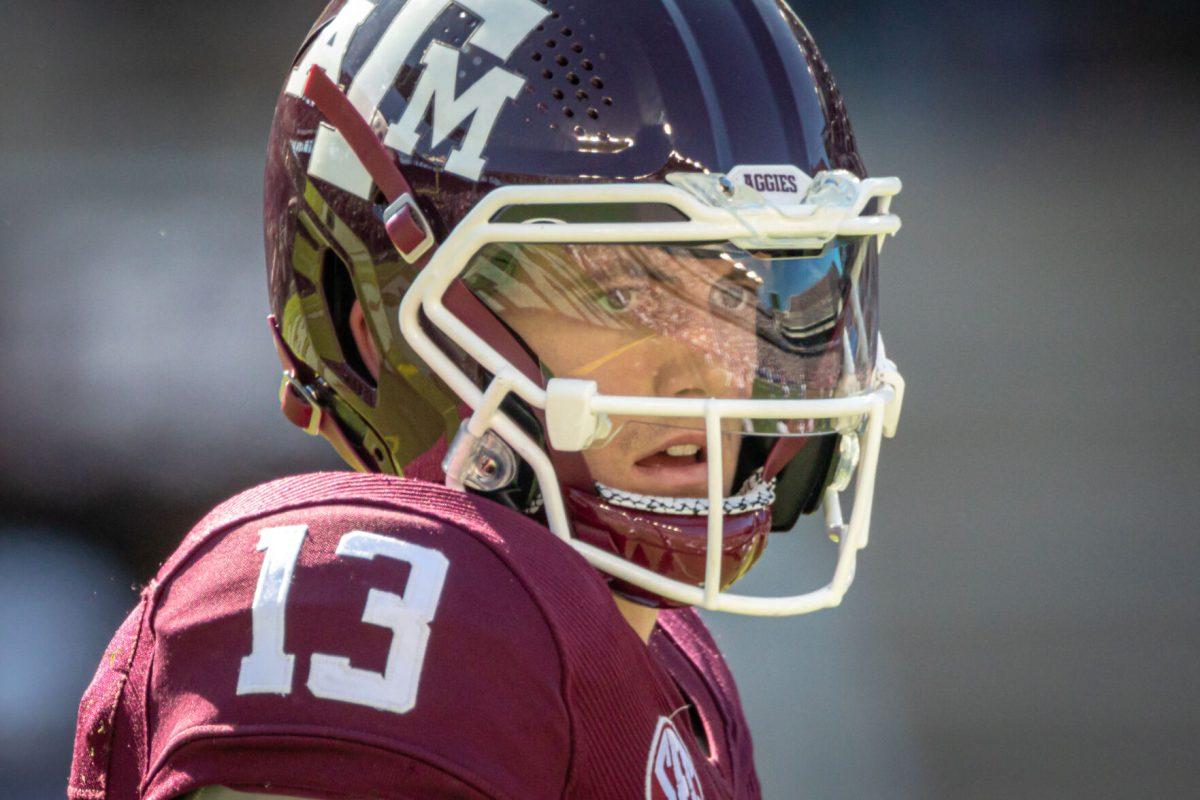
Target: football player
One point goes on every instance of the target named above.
(586, 293)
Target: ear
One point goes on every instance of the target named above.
(364, 340)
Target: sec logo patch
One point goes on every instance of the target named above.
(670, 771)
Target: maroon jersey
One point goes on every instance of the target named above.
(361, 636)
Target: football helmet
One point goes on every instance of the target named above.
(619, 260)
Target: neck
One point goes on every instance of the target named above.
(641, 618)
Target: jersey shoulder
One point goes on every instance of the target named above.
(348, 633)
(686, 648)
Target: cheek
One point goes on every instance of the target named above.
(630, 372)
(608, 464)
(573, 349)
(732, 448)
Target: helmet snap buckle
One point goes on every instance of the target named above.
(300, 405)
(485, 463)
(407, 228)
(571, 424)
(848, 455)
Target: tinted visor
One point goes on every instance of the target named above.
(711, 320)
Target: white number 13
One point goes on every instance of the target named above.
(268, 669)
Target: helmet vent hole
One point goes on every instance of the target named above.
(339, 293)
(561, 58)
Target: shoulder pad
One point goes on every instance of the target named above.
(351, 628)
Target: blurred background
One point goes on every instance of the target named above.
(1026, 622)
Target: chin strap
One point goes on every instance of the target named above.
(406, 225)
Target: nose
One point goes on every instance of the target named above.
(683, 370)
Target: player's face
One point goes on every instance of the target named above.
(647, 456)
(654, 326)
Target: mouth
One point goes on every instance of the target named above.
(677, 467)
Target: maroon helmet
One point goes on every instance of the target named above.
(618, 261)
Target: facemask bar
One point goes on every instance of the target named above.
(717, 210)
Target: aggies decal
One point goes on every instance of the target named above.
(782, 184)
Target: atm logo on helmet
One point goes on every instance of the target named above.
(501, 26)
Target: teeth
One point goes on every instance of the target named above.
(683, 450)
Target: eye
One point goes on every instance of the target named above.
(616, 300)
(730, 296)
